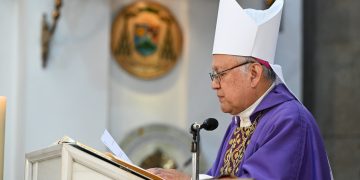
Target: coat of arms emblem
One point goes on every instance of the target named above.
(146, 39)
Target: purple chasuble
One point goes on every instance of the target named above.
(286, 143)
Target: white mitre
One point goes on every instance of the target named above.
(248, 32)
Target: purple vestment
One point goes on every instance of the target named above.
(286, 143)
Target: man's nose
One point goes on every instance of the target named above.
(215, 84)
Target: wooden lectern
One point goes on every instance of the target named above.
(74, 161)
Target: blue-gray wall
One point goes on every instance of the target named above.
(332, 79)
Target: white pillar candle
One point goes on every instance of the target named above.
(2, 133)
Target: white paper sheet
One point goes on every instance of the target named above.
(111, 144)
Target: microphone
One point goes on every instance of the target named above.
(209, 125)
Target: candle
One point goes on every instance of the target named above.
(2, 133)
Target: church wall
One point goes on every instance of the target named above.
(331, 84)
(136, 102)
(70, 96)
(9, 75)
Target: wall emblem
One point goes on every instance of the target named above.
(146, 39)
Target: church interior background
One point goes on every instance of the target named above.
(83, 89)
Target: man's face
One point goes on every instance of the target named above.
(233, 89)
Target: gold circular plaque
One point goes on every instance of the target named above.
(146, 39)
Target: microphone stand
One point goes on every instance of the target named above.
(195, 149)
(209, 125)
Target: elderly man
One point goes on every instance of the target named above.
(271, 135)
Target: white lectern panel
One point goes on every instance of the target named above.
(72, 162)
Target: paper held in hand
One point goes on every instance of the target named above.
(111, 144)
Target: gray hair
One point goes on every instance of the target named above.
(268, 73)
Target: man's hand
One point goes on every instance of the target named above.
(169, 174)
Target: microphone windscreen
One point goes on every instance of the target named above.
(210, 124)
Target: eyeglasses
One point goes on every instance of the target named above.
(217, 75)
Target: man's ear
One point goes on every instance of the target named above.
(256, 71)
